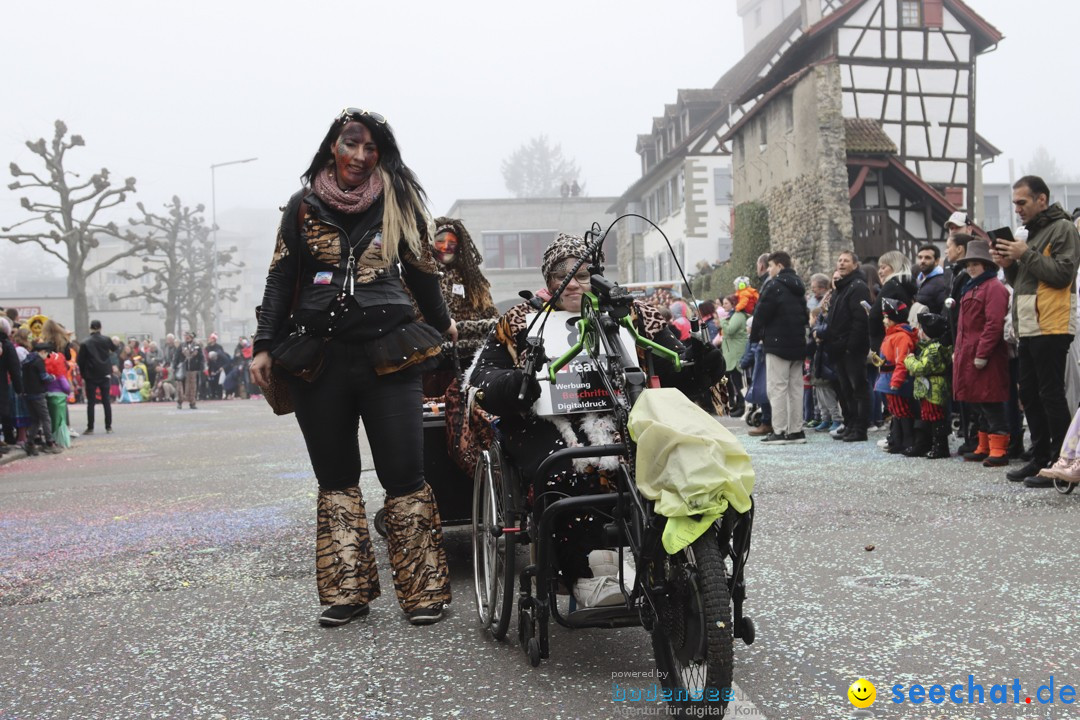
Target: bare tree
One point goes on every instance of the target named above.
(66, 220)
(169, 241)
(201, 285)
(538, 169)
(1046, 166)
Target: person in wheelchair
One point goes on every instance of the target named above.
(497, 376)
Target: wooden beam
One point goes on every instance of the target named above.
(859, 180)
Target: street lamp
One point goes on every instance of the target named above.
(213, 219)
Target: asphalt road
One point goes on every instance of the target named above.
(166, 571)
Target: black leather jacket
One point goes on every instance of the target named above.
(313, 263)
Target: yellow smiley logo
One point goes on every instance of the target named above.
(862, 693)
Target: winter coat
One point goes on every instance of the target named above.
(933, 291)
(1044, 278)
(929, 365)
(898, 288)
(96, 357)
(10, 375)
(981, 335)
(898, 343)
(781, 318)
(734, 339)
(845, 321)
(34, 375)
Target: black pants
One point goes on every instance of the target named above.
(329, 412)
(735, 389)
(40, 421)
(1042, 392)
(854, 395)
(991, 417)
(92, 386)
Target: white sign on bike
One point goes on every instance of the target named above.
(578, 386)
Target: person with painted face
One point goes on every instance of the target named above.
(464, 288)
(347, 240)
(497, 378)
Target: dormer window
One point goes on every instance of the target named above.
(911, 14)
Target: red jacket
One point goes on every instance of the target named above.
(980, 334)
(899, 341)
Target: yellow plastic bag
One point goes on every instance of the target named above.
(688, 464)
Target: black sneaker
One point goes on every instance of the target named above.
(342, 614)
(778, 438)
(1024, 472)
(426, 616)
(88, 431)
(1038, 481)
(797, 438)
(855, 436)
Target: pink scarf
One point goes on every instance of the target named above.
(352, 201)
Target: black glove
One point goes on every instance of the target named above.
(713, 364)
(532, 390)
(500, 396)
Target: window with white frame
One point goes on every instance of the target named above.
(911, 13)
(510, 250)
(722, 185)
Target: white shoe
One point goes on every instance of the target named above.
(603, 588)
(883, 443)
(875, 428)
(838, 431)
(598, 591)
(72, 433)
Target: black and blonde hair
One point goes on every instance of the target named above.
(405, 213)
(467, 262)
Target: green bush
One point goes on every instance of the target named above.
(749, 240)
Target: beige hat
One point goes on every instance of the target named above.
(958, 219)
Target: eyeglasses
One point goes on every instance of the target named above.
(583, 277)
(351, 113)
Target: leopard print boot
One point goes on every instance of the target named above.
(345, 568)
(414, 537)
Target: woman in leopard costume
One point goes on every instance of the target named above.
(347, 241)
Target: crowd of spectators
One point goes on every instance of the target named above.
(912, 346)
(45, 369)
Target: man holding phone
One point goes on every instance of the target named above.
(1041, 268)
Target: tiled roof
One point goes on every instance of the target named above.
(866, 136)
(724, 94)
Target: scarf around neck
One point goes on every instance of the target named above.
(977, 281)
(357, 200)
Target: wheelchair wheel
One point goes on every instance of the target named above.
(692, 638)
(493, 550)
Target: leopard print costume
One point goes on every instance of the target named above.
(345, 569)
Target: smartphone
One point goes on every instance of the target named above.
(1002, 233)
(865, 305)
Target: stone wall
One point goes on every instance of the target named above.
(800, 173)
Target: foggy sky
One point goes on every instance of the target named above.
(161, 90)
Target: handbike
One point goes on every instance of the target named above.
(690, 602)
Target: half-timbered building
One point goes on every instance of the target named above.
(869, 104)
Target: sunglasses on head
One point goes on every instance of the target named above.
(351, 113)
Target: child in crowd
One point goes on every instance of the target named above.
(35, 378)
(746, 295)
(929, 365)
(893, 379)
(823, 378)
(130, 384)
